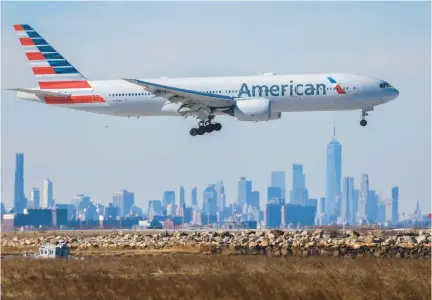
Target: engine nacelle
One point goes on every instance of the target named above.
(255, 110)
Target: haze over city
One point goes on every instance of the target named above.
(100, 155)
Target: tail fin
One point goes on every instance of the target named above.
(51, 69)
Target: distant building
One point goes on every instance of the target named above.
(8, 222)
(220, 196)
(59, 217)
(254, 200)
(273, 215)
(363, 197)
(47, 194)
(333, 176)
(299, 193)
(35, 197)
(372, 207)
(182, 196)
(278, 180)
(348, 200)
(124, 200)
(155, 208)
(298, 215)
(194, 200)
(395, 205)
(110, 212)
(70, 209)
(168, 198)
(19, 197)
(312, 202)
(244, 191)
(210, 200)
(171, 210)
(274, 193)
(381, 218)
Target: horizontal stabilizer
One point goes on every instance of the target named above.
(41, 93)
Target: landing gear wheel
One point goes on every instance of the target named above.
(217, 126)
(193, 132)
(363, 122)
(207, 123)
(210, 128)
(201, 130)
(201, 123)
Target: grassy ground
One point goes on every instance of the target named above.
(181, 276)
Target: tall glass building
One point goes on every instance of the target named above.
(299, 194)
(278, 180)
(333, 176)
(19, 198)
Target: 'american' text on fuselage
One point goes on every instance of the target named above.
(282, 90)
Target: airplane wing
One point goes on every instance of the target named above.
(41, 93)
(185, 96)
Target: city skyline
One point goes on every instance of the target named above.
(352, 199)
(148, 155)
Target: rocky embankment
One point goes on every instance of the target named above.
(274, 242)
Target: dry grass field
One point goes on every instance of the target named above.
(195, 276)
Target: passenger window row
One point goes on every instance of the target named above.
(129, 94)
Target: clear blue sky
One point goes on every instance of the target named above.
(149, 155)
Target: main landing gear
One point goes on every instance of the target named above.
(363, 121)
(205, 127)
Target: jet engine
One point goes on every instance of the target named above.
(255, 110)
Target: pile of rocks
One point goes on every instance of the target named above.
(272, 242)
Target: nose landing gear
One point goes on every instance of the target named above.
(363, 121)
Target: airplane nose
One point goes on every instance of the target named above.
(390, 95)
(395, 94)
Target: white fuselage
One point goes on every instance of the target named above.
(287, 93)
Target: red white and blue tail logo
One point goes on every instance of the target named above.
(338, 88)
(51, 69)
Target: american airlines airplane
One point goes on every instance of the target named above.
(255, 98)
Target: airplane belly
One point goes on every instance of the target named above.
(328, 103)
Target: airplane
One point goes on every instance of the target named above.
(253, 98)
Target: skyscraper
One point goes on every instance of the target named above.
(244, 191)
(168, 198)
(274, 193)
(19, 198)
(363, 197)
(395, 205)
(381, 216)
(299, 194)
(182, 196)
(254, 200)
(125, 200)
(278, 180)
(35, 197)
(372, 206)
(348, 200)
(333, 176)
(220, 195)
(194, 200)
(355, 207)
(47, 194)
(210, 200)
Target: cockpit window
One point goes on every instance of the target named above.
(385, 85)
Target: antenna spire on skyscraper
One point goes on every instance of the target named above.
(334, 130)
